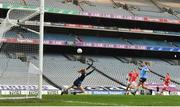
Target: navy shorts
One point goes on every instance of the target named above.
(77, 83)
(142, 80)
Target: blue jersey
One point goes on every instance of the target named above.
(143, 72)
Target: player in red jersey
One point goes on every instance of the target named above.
(132, 77)
(166, 82)
(129, 80)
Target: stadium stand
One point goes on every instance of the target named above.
(61, 4)
(110, 66)
(29, 35)
(111, 40)
(177, 44)
(103, 40)
(141, 5)
(55, 69)
(104, 8)
(154, 14)
(173, 4)
(148, 8)
(130, 8)
(150, 42)
(21, 35)
(48, 3)
(11, 2)
(63, 71)
(59, 37)
(95, 39)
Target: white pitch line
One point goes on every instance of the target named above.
(83, 102)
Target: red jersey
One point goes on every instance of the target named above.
(167, 79)
(134, 76)
(130, 76)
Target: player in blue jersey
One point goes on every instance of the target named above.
(143, 76)
(77, 83)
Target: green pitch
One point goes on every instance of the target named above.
(96, 100)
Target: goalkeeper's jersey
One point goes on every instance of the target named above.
(81, 78)
(83, 75)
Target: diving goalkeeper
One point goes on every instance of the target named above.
(77, 83)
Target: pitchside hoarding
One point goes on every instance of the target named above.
(50, 90)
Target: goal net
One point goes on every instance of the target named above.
(20, 56)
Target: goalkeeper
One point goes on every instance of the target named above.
(77, 83)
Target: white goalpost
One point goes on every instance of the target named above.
(21, 47)
(41, 47)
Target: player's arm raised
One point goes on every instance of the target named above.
(90, 65)
(90, 72)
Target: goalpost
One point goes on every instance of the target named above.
(41, 46)
(21, 53)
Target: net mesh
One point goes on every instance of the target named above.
(19, 50)
(4, 27)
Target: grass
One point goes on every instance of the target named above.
(96, 100)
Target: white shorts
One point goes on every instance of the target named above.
(129, 83)
(165, 86)
(132, 83)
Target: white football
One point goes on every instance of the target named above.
(175, 56)
(79, 50)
